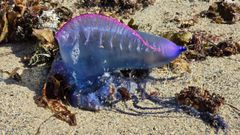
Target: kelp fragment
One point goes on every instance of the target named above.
(32, 20)
(124, 93)
(54, 92)
(60, 111)
(13, 74)
(57, 88)
(44, 35)
(200, 99)
(3, 26)
(204, 44)
(223, 12)
(131, 24)
(225, 48)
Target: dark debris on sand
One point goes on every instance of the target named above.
(204, 44)
(224, 11)
(54, 93)
(200, 103)
(18, 18)
(200, 99)
(225, 48)
(121, 7)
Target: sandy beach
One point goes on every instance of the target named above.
(20, 115)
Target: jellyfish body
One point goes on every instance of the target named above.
(91, 45)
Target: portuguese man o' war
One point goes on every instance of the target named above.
(94, 47)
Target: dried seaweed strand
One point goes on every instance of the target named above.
(13, 74)
(39, 127)
(233, 107)
(60, 110)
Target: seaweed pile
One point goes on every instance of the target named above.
(17, 18)
(200, 103)
(224, 11)
(33, 19)
(120, 7)
(201, 44)
(220, 12)
(200, 99)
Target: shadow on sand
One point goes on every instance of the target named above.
(31, 77)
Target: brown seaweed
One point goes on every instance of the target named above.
(225, 48)
(20, 19)
(60, 111)
(3, 26)
(124, 93)
(121, 7)
(131, 24)
(12, 74)
(200, 103)
(223, 12)
(200, 99)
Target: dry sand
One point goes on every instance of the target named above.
(20, 115)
